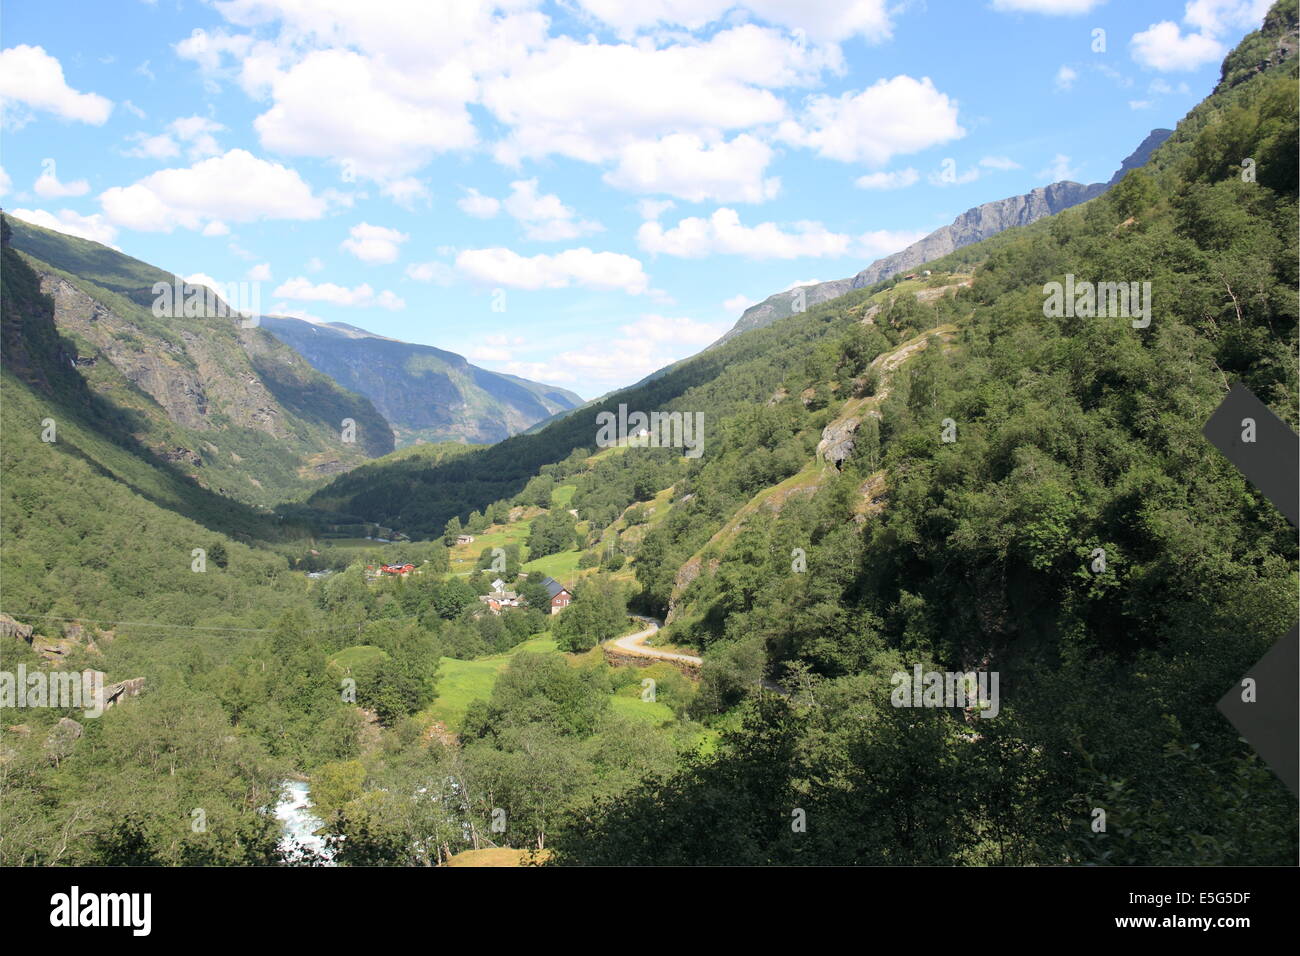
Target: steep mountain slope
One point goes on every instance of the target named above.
(425, 393)
(1030, 500)
(231, 407)
(971, 226)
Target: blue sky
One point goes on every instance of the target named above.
(576, 192)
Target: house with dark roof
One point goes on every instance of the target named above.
(559, 594)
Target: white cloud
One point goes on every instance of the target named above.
(407, 192)
(260, 273)
(1049, 7)
(314, 264)
(738, 303)
(654, 208)
(1065, 78)
(374, 244)
(898, 179)
(160, 146)
(1139, 104)
(363, 295)
(694, 238)
(1219, 16)
(891, 117)
(377, 121)
(93, 227)
(685, 166)
(553, 106)
(1164, 47)
(477, 205)
(544, 217)
(235, 186)
(5, 182)
(573, 267)
(216, 228)
(723, 233)
(48, 186)
(31, 77)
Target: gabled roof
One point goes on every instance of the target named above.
(553, 587)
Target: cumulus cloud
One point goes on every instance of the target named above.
(475, 204)
(573, 267)
(1059, 169)
(544, 217)
(93, 227)
(1163, 46)
(723, 233)
(374, 244)
(30, 77)
(1065, 78)
(48, 186)
(361, 296)
(889, 118)
(375, 120)
(236, 186)
(260, 273)
(552, 106)
(686, 166)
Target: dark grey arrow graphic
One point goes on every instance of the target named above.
(1264, 707)
(1272, 461)
(1269, 722)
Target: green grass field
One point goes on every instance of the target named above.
(460, 682)
(634, 708)
(464, 556)
(563, 566)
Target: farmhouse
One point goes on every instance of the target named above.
(559, 594)
(401, 570)
(498, 599)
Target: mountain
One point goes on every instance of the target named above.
(971, 226)
(425, 393)
(231, 407)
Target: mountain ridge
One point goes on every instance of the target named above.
(977, 223)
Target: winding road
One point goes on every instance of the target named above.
(635, 645)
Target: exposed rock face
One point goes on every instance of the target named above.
(11, 628)
(116, 693)
(980, 223)
(837, 441)
(971, 226)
